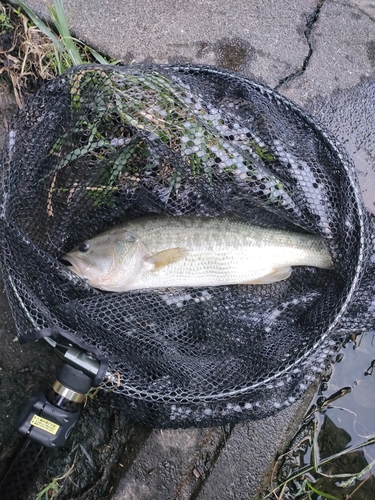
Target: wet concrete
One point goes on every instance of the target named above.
(172, 464)
(350, 116)
(245, 466)
(231, 462)
(321, 55)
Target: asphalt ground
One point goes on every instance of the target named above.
(320, 54)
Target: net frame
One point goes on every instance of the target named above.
(70, 310)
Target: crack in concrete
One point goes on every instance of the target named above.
(364, 13)
(211, 460)
(202, 463)
(311, 20)
(356, 4)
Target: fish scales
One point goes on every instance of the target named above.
(166, 251)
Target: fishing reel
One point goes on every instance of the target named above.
(48, 419)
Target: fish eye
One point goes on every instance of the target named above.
(84, 247)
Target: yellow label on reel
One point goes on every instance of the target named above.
(45, 425)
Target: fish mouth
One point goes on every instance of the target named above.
(78, 266)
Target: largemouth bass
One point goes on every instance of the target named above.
(165, 251)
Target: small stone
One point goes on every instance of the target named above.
(196, 473)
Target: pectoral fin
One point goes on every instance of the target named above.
(165, 257)
(273, 276)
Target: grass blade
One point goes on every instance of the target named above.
(321, 493)
(58, 16)
(68, 50)
(99, 58)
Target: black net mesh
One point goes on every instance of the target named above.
(102, 145)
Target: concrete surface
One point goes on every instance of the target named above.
(262, 37)
(342, 52)
(316, 52)
(230, 462)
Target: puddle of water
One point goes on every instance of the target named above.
(233, 53)
(355, 410)
(341, 424)
(230, 53)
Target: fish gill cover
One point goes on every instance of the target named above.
(102, 145)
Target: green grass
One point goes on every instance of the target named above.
(52, 489)
(68, 51)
